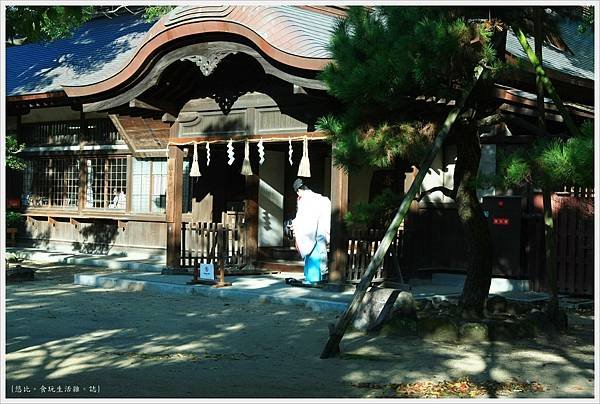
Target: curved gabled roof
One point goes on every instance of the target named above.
(578, 63)
(96, 50)
(289, 35)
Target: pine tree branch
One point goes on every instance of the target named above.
(450, 193)
(515, 120)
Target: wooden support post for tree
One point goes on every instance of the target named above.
(336, 334)
(539, 70)
(538, 39)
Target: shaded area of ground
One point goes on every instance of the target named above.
(131, 344)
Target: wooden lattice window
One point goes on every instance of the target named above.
(97, 131)
(51, 183)
(106, 183)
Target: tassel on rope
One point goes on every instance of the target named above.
(290, 151)
(304, 168)
(207, 154)
(246, 169)
(195, 170)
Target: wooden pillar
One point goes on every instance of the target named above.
(174, 207)
(251, 217)
(339, 240)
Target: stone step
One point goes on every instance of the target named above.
(280, 265)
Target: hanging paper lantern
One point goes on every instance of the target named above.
(230, 152)
(290, 151)
(261, 152)
(195, 170)
(207, 153)
(304, 168)
(246, 169)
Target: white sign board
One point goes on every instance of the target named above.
(207, 271)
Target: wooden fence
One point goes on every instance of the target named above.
(574, 238)
(199, 241)
(362, 245)
(574, 220)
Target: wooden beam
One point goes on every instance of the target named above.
(122, 224)
(281, 137)
(174, 206)
(75, 223)
(580, 110)
(135, 103)
(339, 240)
(528, 111)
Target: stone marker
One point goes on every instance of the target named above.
(374, 308)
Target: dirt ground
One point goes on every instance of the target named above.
(109, 343)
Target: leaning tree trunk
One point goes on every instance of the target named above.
(477, 232)
(547, 83)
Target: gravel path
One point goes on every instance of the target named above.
(128, 344)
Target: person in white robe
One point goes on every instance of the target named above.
(311, 228)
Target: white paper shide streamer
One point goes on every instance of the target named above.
(304, 168)
(207, 153)
(291, 150)
(230, 152)
(261, 152)
(246, 169)
(195, 170)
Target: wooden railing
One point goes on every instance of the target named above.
(578, 192)
(199, 241)
(362, 245)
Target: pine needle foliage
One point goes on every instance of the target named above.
(12, 148)
(385, 57)
(552, 164)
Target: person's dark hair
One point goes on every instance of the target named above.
(298, 184)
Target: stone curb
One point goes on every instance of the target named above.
(104, 281)
(109, 262)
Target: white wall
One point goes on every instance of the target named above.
(270, 200)
(359, 183)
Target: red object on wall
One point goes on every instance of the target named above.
(503, 221)
(13, 203)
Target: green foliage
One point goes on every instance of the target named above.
(25, 24)
(12, 148)
(552, 163)
(154, 13)
(44, 23)
(13, 218)
(376, 214)
(384, 57)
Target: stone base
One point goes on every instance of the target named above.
(175, 271)
(334, 287)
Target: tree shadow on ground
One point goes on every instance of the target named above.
(147, 345)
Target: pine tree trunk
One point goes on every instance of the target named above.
(550, 256)
(477, 233)
(336, 333)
